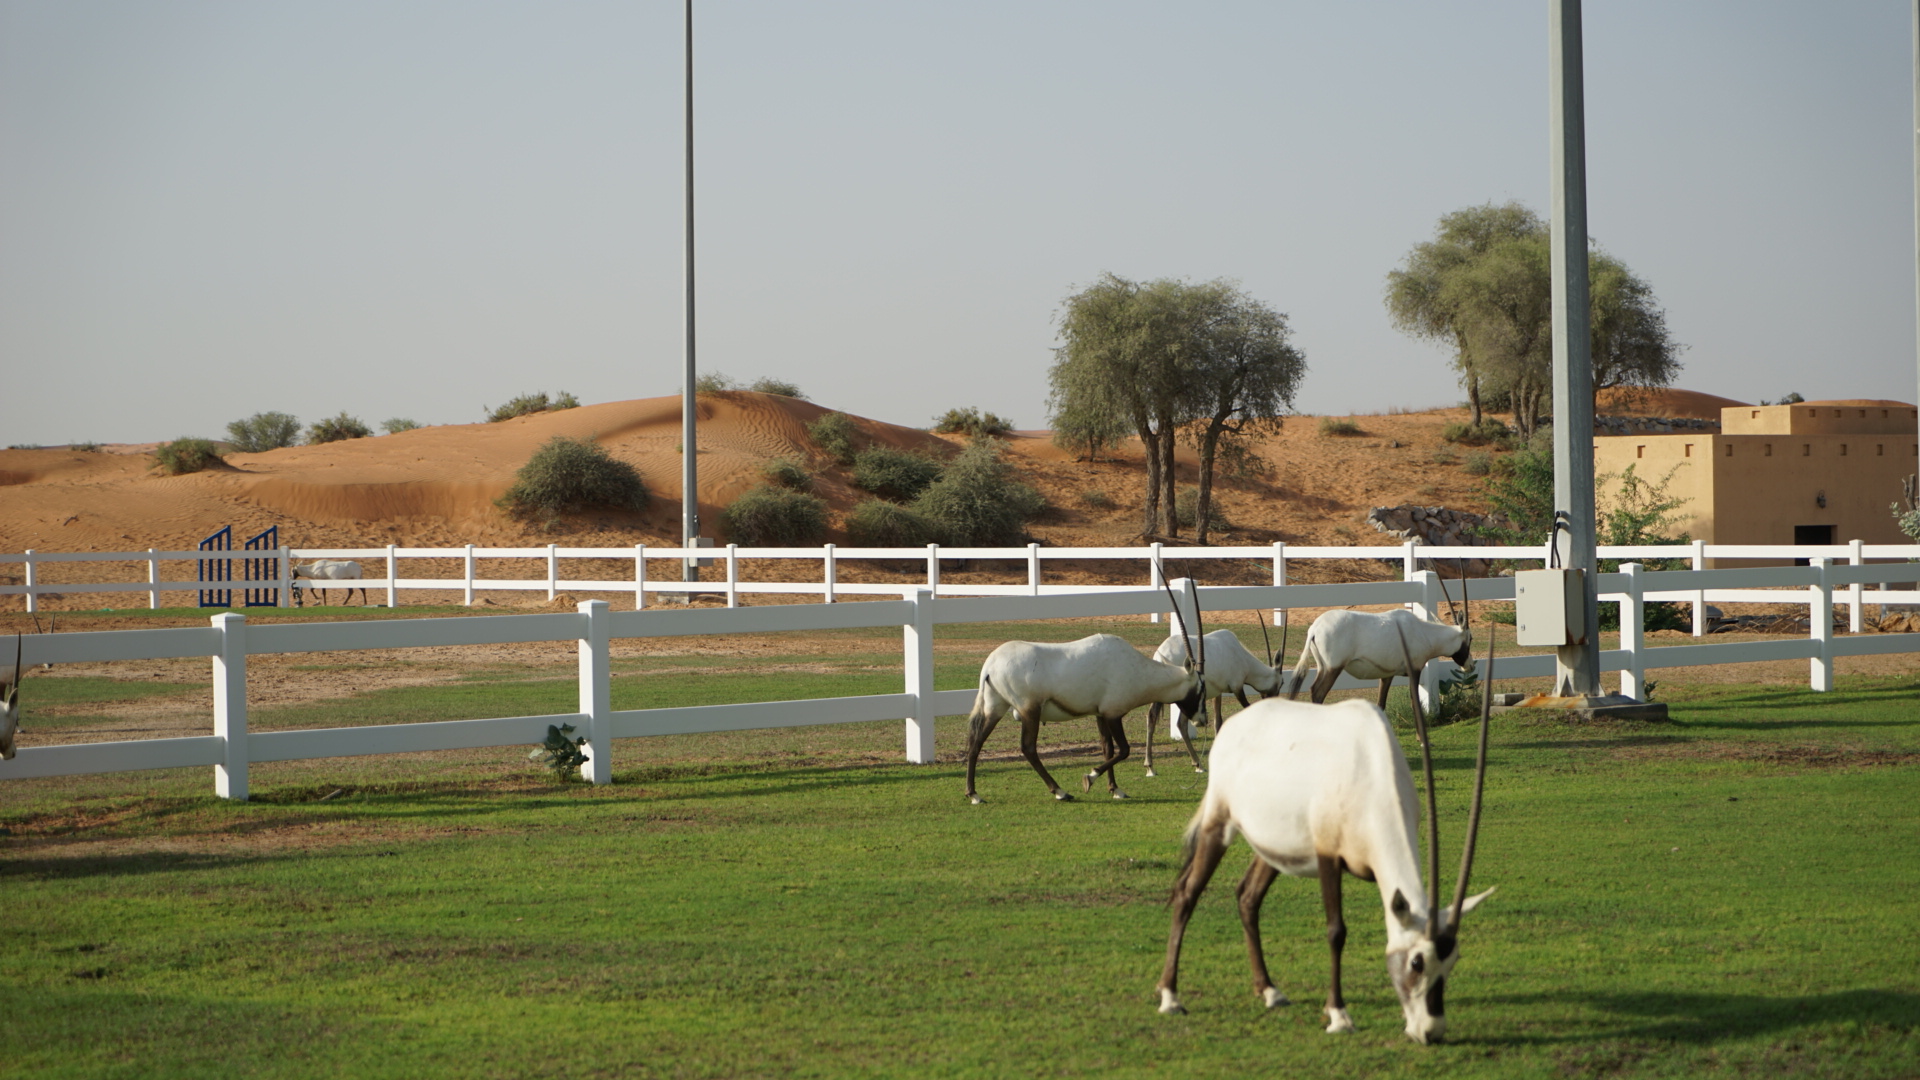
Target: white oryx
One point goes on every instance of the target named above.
(10, 700)
(1369, 646)
(1100, 676)
(1318, 791)
(1231, 668)
(326, 570)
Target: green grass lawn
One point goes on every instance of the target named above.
(1730, 894)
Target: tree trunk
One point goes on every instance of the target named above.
(1151, 522)
(1473, 396)
(1170, 481)
(1203, 506)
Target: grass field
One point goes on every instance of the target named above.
(1731, 894)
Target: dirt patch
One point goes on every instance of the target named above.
(1792, 756)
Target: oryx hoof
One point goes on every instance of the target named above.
(1063, 796)
(1273, 997)
(1338, 1023)
(1118, 794)
(974, 799)
(1086, 782)
(1200, 770)
(1150, 772)
(1170, 1005)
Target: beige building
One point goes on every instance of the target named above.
(1814, 472)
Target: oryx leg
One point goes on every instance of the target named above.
(1186, 735)
(1114, 747)
(980, 725)
(1154, 712)
(1386, 684)
(1030, 749)
(1209, 845)
(1253, 890)
(1323, 681)
(1337, 1019)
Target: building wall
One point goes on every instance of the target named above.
(1859, 417)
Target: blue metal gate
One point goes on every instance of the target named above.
(265, 569)
(217, 569)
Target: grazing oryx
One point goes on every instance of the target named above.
(1369, 646)
(10, 700)
(1319, 790)
(1100, 676)
(327, 570)
(1230, 670)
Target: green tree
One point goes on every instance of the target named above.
(263, 431)
(1248, 372)
(337, 429)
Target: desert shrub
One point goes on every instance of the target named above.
(769, 516)
(879, 523)
(780, 387)
(1478, 463)
(527, 404)
(1444, 456)
(972, 422)
(788, 473)
(1097, 499)
(899, 475)
(1488, 432)
(977, 501)
(186, 455)
(84, 447)
(713, 382)
(836, 433)
(566, 475)
(1331, 426)
(398, 424)
(1186, 510)
(561, 752)
(263, 431)
(1458, 699)
(336, 429)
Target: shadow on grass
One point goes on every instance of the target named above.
(1705, 1019)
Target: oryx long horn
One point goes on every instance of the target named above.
(1451, 610)
(1426, 764)
(19, 671)
(1178, 615)
(1265, 642)
(1479, 783)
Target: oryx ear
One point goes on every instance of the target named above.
(1401, 909)
(1474, 901)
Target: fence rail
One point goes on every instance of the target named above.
(230, 640)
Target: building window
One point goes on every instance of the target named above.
(1756, 414)
(1729, 449)
(1880, 450)
(1639, 451)
(1863, 412)
(1806, 449)
(1766, 450)
(1813, 412)
(1843, 449)
(1883, 414)
(1689, 452)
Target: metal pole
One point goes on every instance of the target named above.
(1916, 174)
(689, 436)
(1577, 667)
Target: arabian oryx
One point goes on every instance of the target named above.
(1321, 790)
(327, 570)
(1100, 676)
(10, 700)
(1368, 646)
(1231, 668)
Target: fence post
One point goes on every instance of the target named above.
(596, 690)
(1699, 596)
(1153, 577)
(32, 597)
(1186, 595)
(1033, 569)
(1820, 627)
(393, 578)
(829, 574)
(933, 569)
(467, 573)
(1410, 558)
(230, 705)
(1279, 576)
(639, 576)
(1428, 680)
(153, 578)
(283, 577)
(1633, 633)
(917, 649)
(733, 575)
(553, 571)
(1856, 592)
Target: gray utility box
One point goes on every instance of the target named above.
(1549, 607)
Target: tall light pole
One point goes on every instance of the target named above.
(1576, 667)
(689, 436)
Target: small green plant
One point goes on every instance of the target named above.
(1488, 432)
(23, 446)
(1097, 499)
(566, 475)
(713, 382)
(879, 523)
(1333, 426)
(398, 424)
(769, 516)
(837, 434)
(528, 404)
(263, 431)
(1907, 518)
(1186, 510)
(1790, 399)
(788, 473)
(899, 475)
(337, 429)
(776, 387)
(977, 501)
(561, 753)
(187, 455)
(1478, 463)
(971, 422)
(1444, 456)
(1457, 699)
(84, 447)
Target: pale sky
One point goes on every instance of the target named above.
(411, 208)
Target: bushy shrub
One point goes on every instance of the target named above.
(1445, 456)
(977, 502)
(527, 404)
(879, 523)
(837, 434)
(769, 516)
(336, 429)
(1488, 432)
(1332, 426)
(186, 455)
(1186, 510)
(777, 387)
(899, 475)
(1097, 499)
(1478, 463)
(972, 422)
(398, 424)
(84, 447)
(713, 382)
(788, 473)
(263, 431)
(567, 475)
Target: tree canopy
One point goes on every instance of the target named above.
(1482, 286)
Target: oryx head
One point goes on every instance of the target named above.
(1462, 618)
(1422, 948)
(10, 700)
(1195, 703)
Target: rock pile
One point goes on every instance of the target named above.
(1435, 525)
(1651, 425)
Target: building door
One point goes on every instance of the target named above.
(1811, 534)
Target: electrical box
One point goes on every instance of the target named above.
(702, 542)
(1549, 607)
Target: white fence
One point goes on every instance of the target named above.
(230, 640)
(1151, 557)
